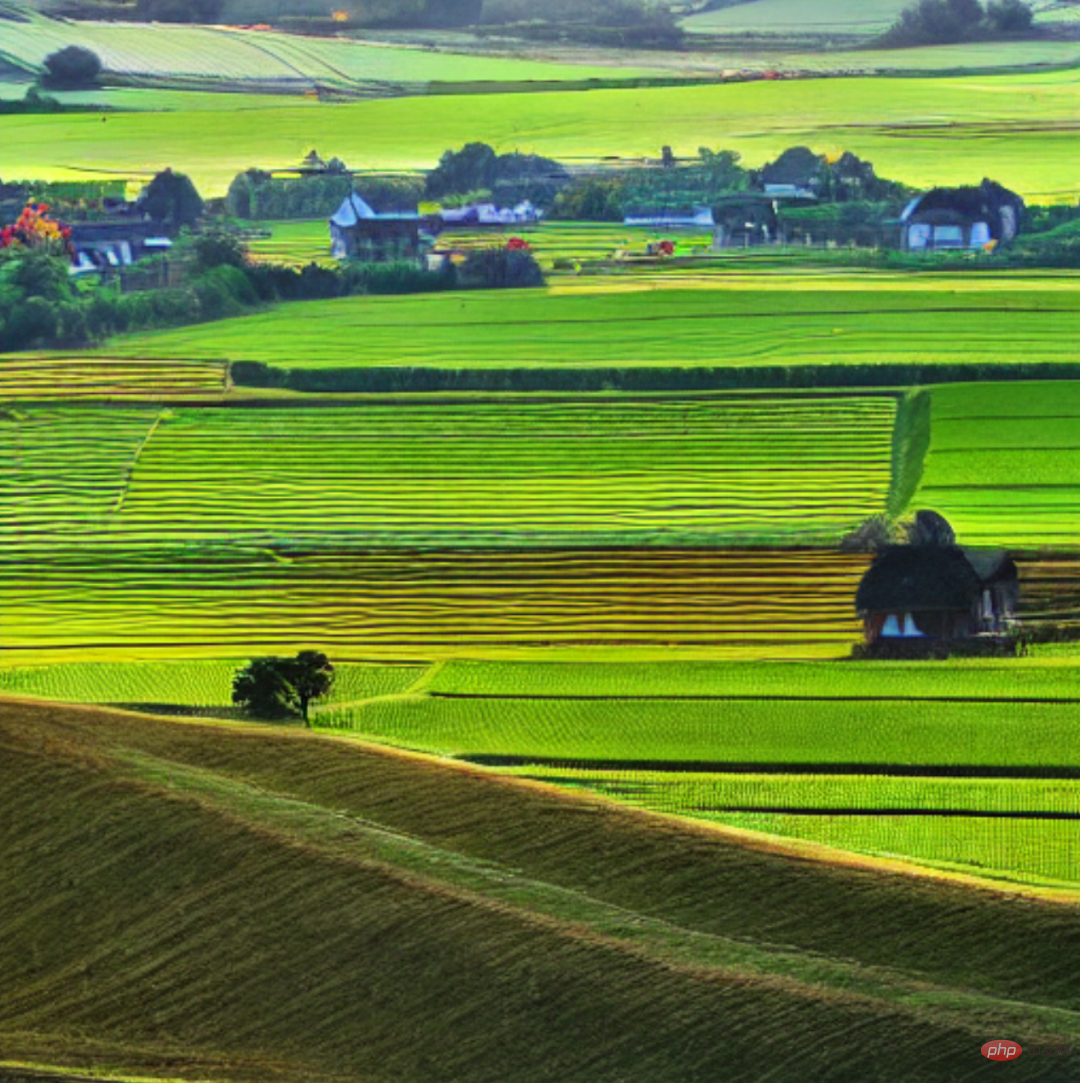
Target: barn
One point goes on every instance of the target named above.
(964, 218)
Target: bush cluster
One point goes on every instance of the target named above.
(944, 22)
(40, 306)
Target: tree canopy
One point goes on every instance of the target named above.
(171, 198)
(274, 687)
(71, 68)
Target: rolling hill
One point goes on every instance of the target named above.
(238, 903)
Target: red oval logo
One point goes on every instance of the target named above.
(1001, 1050)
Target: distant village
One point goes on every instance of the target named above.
(800, 199)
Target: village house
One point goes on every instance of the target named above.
(938, 593)
(357, 232)
(484, 214)
(967, 217)
(670, 217)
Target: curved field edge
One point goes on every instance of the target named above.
(245, 905)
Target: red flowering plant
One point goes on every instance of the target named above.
(34, 229)
(517, 244)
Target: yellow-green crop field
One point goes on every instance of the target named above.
(735, 468)
(403, 604)
(1018, 129)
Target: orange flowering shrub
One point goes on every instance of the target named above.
(35, 229)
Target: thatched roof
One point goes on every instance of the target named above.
(918, 578)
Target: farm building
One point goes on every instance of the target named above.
(745, 220)
(967, 217)
(937, 592)
(357, 232)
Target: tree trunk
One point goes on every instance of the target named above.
(304, 710)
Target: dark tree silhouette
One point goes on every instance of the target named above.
(171, 198)
(279, 687)
(72, 67)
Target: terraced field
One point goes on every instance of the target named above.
(739, 320)
(1018, 129)
(73, 378)
(1003, 464)
(501, 472)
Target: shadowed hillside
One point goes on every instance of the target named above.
(234, 902)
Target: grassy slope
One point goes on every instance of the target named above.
(237, 904)
(756, 320)
(1017, 129)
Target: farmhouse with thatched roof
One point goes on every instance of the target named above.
(966, 217)
(933, 589)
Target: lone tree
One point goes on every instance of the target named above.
(279, 687)
(71, 68)
(171, 198)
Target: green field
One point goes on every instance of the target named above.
(1018, 129)
(794, 16)
(737, 320)
(232, 58)
(984, 734)
(188, 686)
(1003, 464)
(987, 679)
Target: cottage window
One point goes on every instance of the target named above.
(948, 236)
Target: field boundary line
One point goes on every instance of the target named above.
(162, 414)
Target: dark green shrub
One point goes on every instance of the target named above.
(31, 323)
(36, 272)
(500, 268)
(218, 248)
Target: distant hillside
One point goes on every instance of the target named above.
(862, 18)
(254, 904)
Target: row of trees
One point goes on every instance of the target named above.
(944, 22)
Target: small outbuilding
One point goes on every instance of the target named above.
(964, 218)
